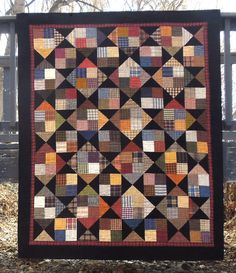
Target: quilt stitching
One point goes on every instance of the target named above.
(121, 135)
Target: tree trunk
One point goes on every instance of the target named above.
(18, 7)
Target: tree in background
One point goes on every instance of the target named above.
(138, 5)
(79, 5)
(19, 6)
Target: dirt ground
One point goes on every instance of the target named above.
(9, 263)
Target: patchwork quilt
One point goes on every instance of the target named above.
(120, 141)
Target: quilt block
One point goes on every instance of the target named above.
(120, 143)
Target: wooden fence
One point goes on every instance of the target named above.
(8, 98)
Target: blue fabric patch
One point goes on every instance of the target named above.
(148, 135)
(59, 207)
(135, 72)
(180, 114)
(123, 41)
(71, 190)
(81, 72)
(150, 224)
(198, 51)
(193, 191)
(146, 92)
(103, 93)
(167, 71)
(146, 61)
(60, 235)
(87, 134)
(204, 191)
(39, 74)
(48, 33)
(91, 33)
(133, 223)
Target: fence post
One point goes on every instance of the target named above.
(228, 74)
(12, 74)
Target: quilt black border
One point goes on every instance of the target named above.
(117, 252)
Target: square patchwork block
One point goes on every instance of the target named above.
(66, 184)
(193, 56)
(66, 141)
(110, 184)
(110, 230)
(83, 37)
(196, 143)
(107, 56)
(151, 98)
(109, 141)
(126, 38)
(46, 163)
(195, 98)
(150, 56)
(86, 77)
(198, 184)
(47, 77)
(90, 160)
(65, 229)
(108, 98)
(130, 119)
(88, 119)
(154, 184)
(65, 58)
(153, 140)
(66, 99)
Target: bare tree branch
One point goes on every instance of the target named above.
(90, 5)
(28, 4)
(154, 4)
(128, 4)
(9, 11)
(17, 7)
(11, 3)
(60, 3)
(80, 6)
(56, 5)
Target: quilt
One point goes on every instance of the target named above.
(120, 135)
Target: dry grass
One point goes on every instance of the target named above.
(9, 263)
(8, 216)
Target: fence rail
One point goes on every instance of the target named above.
(8, 101)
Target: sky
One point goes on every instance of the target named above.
(223, 5)
(117, 5)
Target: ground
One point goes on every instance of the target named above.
(9, 263)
